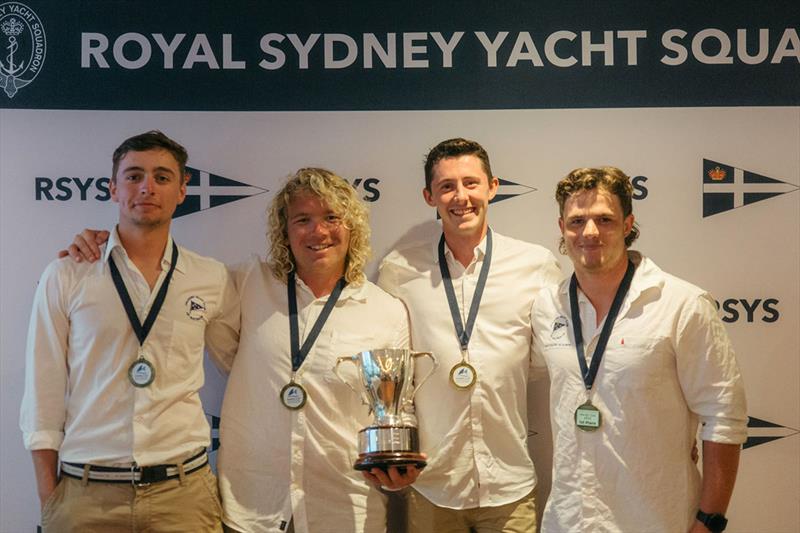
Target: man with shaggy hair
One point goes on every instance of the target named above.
(287, 461)
(637, 360)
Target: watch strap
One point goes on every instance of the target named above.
(715, 522)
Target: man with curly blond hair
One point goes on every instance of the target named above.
(288, 425)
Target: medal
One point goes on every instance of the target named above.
(463, 375)
(141, 373)
(587, 417)
(293, 396)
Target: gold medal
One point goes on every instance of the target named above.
(463, 375)
(293, 396)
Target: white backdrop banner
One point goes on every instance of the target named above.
(54, 165)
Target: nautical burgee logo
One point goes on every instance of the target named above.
(206, 190)
(726, 187)
(22, 46)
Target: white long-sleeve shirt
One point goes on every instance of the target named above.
(78, 399)
(668, 366)
(476, 439)
(276, 464)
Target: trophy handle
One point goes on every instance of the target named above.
(423, 380)
(351, 359)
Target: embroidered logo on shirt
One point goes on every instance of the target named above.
(195, 308)
(560, 325)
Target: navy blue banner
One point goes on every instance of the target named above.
(304, 55)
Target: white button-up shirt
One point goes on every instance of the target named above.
(668, 365)
(276, 464)
(78, 398)
(476, 439)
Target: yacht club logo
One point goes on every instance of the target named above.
(726, 187)
(22, 46)
(560, 325)
(195, 308)
(206, 190)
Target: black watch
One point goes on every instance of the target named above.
(714, 522)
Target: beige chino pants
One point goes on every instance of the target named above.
(186, 504)
(514, 517)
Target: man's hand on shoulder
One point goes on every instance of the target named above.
(86, 246)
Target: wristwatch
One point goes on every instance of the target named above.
(714, 522)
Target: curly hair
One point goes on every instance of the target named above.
(342, 199)
(610, 179)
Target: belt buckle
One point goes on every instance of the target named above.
(152, 474)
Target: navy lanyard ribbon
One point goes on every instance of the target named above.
(590, 373)
(142, 330)
(299, 353)
(462, 333)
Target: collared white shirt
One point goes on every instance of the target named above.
(668, 365)
(276, 464)
(78, 398)
(476, 439)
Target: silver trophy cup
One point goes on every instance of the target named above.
(387, 387)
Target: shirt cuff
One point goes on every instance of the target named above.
(724, 431)
(43, 440)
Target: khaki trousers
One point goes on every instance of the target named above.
(187, 504)
(514, 517)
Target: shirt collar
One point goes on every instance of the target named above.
(479, 251)
(114, 242)
(357, 292)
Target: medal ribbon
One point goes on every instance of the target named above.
(590, 373)
(299, 353)
(462, 333)
(142, 330)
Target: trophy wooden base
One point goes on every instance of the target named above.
(368, 461)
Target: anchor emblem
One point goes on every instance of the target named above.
(22, 46)
(11, 28)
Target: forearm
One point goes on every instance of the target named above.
(720, 464)
(45, 465)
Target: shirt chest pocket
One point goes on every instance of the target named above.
(637, 362)
(185, 354)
